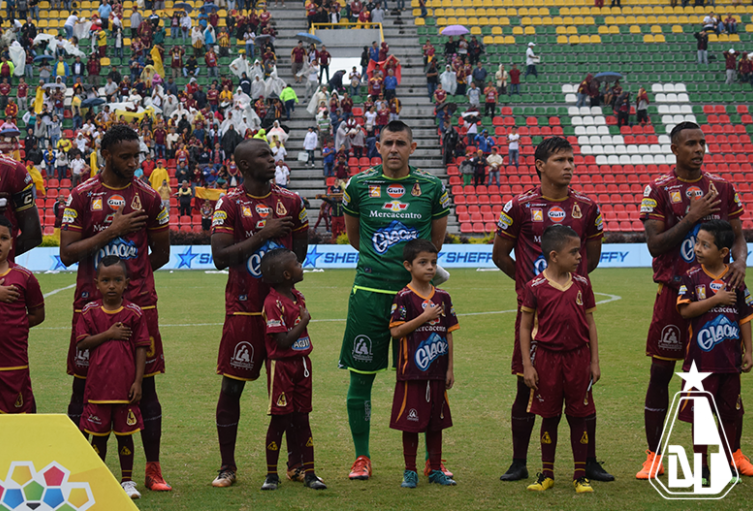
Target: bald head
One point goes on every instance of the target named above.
(255, 160)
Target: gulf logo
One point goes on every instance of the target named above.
(116, 202)
(556, 214)
(694, 193)
(717, 285)
(395, 191)
(263, 210)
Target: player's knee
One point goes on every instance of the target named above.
(662, 371)
(232, 387)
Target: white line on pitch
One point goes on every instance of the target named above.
(56, 291)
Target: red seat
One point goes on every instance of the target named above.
(466, 228)
(479, 228)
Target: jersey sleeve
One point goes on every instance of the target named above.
(530, 301)
(652, 204)
(509, 220)
(157, 216)
(351, 198)
(84, 326)
(595, 227)
(399, 311)
(589, 301)
(72, 215)
(451, 319)
(34, 297)
(140, 332)
(736, 209)
(300, 216)
(22, 191)
(274, 316)
(745, 304)
(223, 217)
(440, 206)
(686, 293)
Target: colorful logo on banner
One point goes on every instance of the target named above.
(25, 488)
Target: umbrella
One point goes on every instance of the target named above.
(308, 38)
(183, 6)
(209, 7)
(88, 103)
(608, 76)
(40, 58)
(454, 30)
(261, 40)
(9, 133)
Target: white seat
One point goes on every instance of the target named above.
(672, 98)
(657, 87)
(648, 159)
(573, 110)
(583, 140)
(68, 92)
(655, 149)
(588, 120)
(594, 140)
(597, 149)
(660, 159)
(632, 149)
(661, 98)
(666, 149)
(666, 119)
(663, 109)
(577, 120)
(644, 149)
(680, 87)
(669, 127)
(606, 139)
(591, 130)
(586, 149)
(601, 160)
(624, 159)
(599, 120)
(585, 110)
(621, 149)
(609, 149)
(664, 139)
(675, 109)
(571, 98)
(596, 110)
(568, 89)
(678, 119)
(686, 109)
(636, 159)
(671, 159)
(690, 117)
(618, 140)
(603, 129)
(613, 159)
(683, 98)
(669, 87)
(68, 102)
(580, 131)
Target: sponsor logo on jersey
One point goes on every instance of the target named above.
(69, 215)
(346, 197)
(136, 203)
(675, 197)
(444, 200)
(302, 216)
(162, 218)
(124, 249)
(505, 220)
(396, 232)
(687, 247)
(718, 330)
(253, 264)
(737, 199)
(599, 222)
(648, 205)
(694, 193)
(647, 191)
(362, 349)
(556, 214)
(281, 209)
(508, 206)
(430, 350)
(97, 204)
(717, 285)
(116, 202)
(700, 292)
(393, 309)
(579, 298)
(539, 265)
(274, 323)
(416, 192)
(263, 210)
(303, 343)
(374, 191)
(748, 297)
(218, 218)
(395, 206)
(246, 211)
(537, 215)
(243, 356)
(412, 415)
(260, 224)
(395, 191)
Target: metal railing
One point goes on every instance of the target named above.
(347, 24)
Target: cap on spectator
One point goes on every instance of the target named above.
(732, 50)
(531, 44)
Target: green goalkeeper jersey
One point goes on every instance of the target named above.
(391, 212)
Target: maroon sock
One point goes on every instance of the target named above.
(99, 444)
(591, 431)
(228, 415)
(294, 451)
(657, 400)
(303, 439)
(736, 442)
(579, 441)
(151, 413)
(549, 444)
(410, 449)
(522, 422)
(125, 454)
(434, 446)
(730, 431)
(277, 426)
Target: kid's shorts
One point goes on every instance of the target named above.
(289, 385)
(564, 376)
(101, 419)
(420, 405)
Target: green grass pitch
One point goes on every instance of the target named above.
(478, 448)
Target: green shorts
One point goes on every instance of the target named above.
(366, 342)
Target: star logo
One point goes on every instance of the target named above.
(311, 257)
(693, 379)
(58, 264)
(186, 258)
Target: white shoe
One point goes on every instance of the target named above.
(130, 489)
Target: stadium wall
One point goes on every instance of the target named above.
(199, 257)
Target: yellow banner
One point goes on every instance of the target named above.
(212, 194)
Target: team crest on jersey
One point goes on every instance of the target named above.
(131, 419)
(246, 211)
(416, 192)
(712, 188)
(413, 415)
(97, 204)
(116, 202)
(716, 285)
(282, 401)
(675, 197)
(577, 213)
(694, 193)
(136, 202)
(700, 292)
(395, 191)
(579, 298)
(375, 191)
(281, 209)
(19, 401)
(243, 354)
(263, 210)
(537, 215)
(556, 214)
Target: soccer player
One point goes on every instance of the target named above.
(563, 364)
(672, 209)
(385, 207)
(247, 223)
(423, 319)
(521, 224)
(288, 365)
(21, 308)
(115, 333)
(17, 205)
(115, 214)
(720, 341)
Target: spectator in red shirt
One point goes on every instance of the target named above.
(745, 67)
(211, 60)
(324, 58)
(160, 141)
(148, 165)
(93, 67)
(514, 80)
(491, 100)
(213, 98)
(22, 93)
(730, 63)
(296, 61)
(4, 92)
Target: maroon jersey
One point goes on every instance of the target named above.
(15, 338)
(243, 215)
(525, 217)
(17, 188)
(282, 315)
(89, 210)
(112, 364)
(559, 311)
(715, 341)
(423, 354)
(667, 199)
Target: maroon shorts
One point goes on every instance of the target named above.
(289, 385)
(15, 391)
(78, 360)
(155, 356)
(725, 388)
(242, 351)
(668, 333)
(420, 405)
(102, 419)
(563, 376)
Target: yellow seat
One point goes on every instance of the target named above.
(571, 30)
(662, 20)
(699, 10)
(543, 11)
(648, 38)
(749, 28)
(635, 29)
(568, 20)
(620, 20)
(713, 37)
(419, 21)
(574, 39)
(496, 30)
(659, 38)
(462, 20)
(105, 61)
(488, 39)
(603, 29)
(43, 23)
(499, 39)
(86, 4)
(529, 31)
(677, 29)
(460, 12)
(517, 30)
(594, 39)
(504, 21)
(126, 42)
(523, 12)
(473, 21)
(565, 11)
(723, 38)
(557, 21)
(560, 30)
(475, 31)
(656, 29)
(733, 37)
(480, 11)
(614, 29)
(509, 39)
(589, 20)
(562, 39)
(525, 21)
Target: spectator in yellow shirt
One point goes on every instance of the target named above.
(102, 43)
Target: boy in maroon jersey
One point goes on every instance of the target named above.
(521, 224)
(672, 209)
(288, 365)
(719, 340)
(21, 308)
(423, 319)
(564, 363)
(115, 333)
(17, 205)
(247, 223)
(115, 214)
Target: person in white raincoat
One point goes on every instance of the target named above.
(449, 80)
